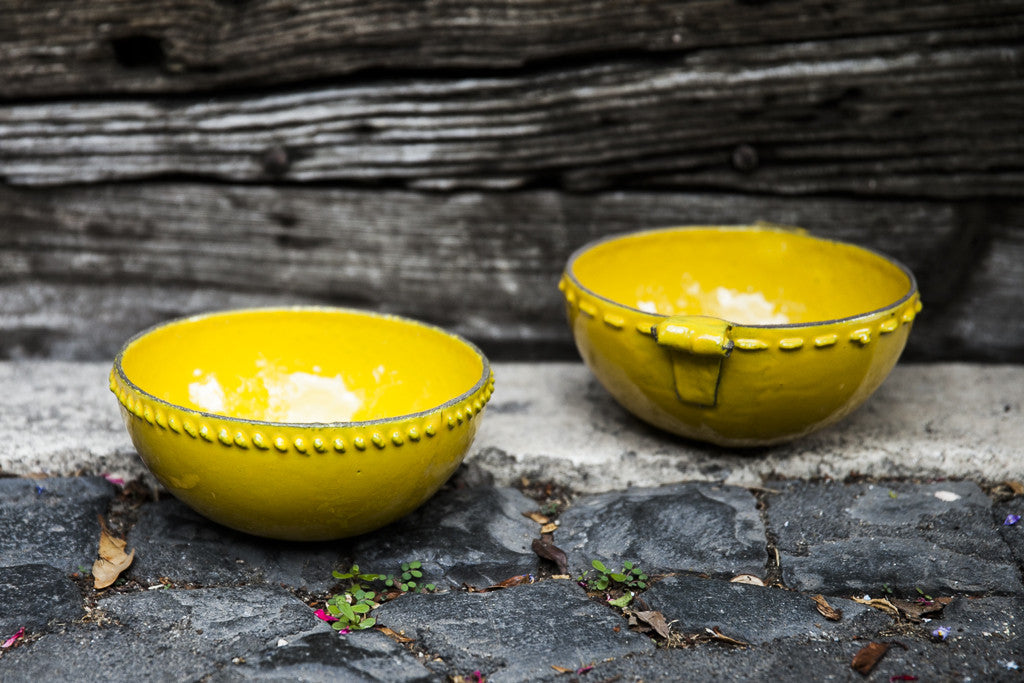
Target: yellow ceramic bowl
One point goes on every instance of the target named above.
(738, 336)
(301, 424)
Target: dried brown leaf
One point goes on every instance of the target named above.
(393, 635)
(562, 669)
(749, 579)
(868, 656)
(508, 583)
(827, 610)
(655, 620)
(879, 604)
(1015, 486)
(537, 517)
(550, 551)
(915, 609)
(113, 559)
(549, 528)
(717, 634)
(105, 572)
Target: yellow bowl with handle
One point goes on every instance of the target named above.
(302, 423)
(739, 336)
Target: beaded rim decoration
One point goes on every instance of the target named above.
(315, 437)
(865, 328)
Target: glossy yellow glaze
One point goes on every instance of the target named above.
(742, 336)
(301, 424)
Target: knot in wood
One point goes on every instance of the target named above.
(744, 158)
(276, 161)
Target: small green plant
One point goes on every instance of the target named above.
(349, 610)
(406, 581)
(631, 576)
(622, 601)
(550, 509)
(354, 576)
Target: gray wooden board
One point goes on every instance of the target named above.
(84, 268)
(441, 160)
(932, 114)
(53, 47)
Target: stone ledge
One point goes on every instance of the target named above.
(555, 422)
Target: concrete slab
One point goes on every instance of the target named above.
(555, 422)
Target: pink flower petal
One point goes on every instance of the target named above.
(15, 638)
(116, 481)
(324, 616)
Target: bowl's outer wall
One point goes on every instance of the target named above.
(306, 496)
(777, 384)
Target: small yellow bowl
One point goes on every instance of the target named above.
(301, 424)
(742, 336)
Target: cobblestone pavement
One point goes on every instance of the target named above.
(201, 602)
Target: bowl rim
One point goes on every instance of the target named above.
(911, 292)
(479, 385)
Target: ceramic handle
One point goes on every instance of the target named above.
(699, 335)
(697, 346)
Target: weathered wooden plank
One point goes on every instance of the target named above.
(873, 116)
(81, 269)
(984, 317)
(54, 47)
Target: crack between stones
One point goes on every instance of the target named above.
(772, 563)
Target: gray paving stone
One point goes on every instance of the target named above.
(1013, 534)
(172, 541)
(999, 618)
(362, 656)
(473, 536)
(32, 595)
(969, 659)
(852, 539)
(797, 661)
(52, 521)
(515, 634)
(683, 527)
(756, 614)
(167, 635)
(785, 661)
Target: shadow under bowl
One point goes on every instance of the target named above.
(738, 336)
(301, 423)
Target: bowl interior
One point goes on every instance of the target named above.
(748, 276)
(302, 366)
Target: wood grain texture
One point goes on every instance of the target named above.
(930, 115)
(82, 269)
(442, 159)
(57, 48)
